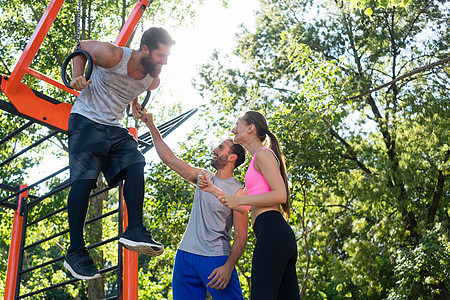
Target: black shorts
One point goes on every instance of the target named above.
(95, 147)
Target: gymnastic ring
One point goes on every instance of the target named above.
(87, 75)
(147, 97)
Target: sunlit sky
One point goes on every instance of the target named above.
(213, 28)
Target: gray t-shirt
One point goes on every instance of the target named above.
(104, 100)
(208, 232)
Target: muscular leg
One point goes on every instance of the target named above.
(77, 205)
(133, 191)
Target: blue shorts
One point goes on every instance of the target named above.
(190, 277)
(95, 147)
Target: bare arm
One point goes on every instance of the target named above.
(103, 54)
(186, 171)
(221, 276)
(267, 165)
(205, 183)
(155, 83)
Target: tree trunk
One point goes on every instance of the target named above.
(96, 287)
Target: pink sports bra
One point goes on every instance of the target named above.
(255, 183)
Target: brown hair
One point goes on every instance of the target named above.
(257, 119)
(153, 36)
(239, 151)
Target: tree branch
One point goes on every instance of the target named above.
(350, 151)
(305, 238)
(409, 74)
(437, 193)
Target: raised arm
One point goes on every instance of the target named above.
(221, 276)
(186, 171)
(103, 54)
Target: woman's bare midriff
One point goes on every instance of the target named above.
(257, 210)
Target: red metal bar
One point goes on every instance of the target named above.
(130, 258)
(33, 45)
(21, 95)
(28, 103)
(53, 82)
(130, 24)
(14, 248)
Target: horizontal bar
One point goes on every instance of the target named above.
(62, 257)
(9, 188)
(64, 283)
(67, 230)
(53, 82)
(36, 183)
(56, 190)
(9, 205)
(46, 216)
(65, 207)
(15, 132)
(28, 148)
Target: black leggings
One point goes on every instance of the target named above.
(273, 266)
(78, 201)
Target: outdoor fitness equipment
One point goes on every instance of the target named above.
(78, 51)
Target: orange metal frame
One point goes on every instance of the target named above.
(14, 248)
(22, 96)
(130, 258)
(56, 115)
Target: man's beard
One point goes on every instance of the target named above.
(150, 67)
(218, 163)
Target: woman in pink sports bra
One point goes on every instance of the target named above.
(274, 273)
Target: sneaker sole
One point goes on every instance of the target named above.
(79, 276)
(143, 248)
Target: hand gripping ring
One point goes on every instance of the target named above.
(64, 76)
(147, 96)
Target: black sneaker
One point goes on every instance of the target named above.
(141, 241)
(80, 264)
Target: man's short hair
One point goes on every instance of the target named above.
(153, 36)
(239, 151)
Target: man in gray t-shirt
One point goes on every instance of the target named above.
(205, 260)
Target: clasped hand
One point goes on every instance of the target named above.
(138, 112)
(228, 200)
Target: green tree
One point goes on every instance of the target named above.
(356, 92)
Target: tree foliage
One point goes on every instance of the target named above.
(368, 171)
(356, 92)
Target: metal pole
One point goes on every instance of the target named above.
(130, 258)
(34, 44)
(131, 23)
(14, 248)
